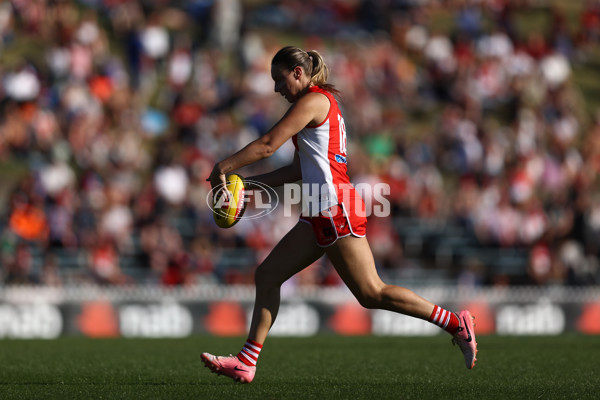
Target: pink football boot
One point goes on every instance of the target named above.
(465, 338)
(229, 366)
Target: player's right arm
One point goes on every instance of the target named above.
(288, 174)
(310, 109)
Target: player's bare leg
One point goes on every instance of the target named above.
(353, 260)
(296, 251)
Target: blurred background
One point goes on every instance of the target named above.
(482, 115)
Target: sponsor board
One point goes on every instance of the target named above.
(386, 323)
(30, 321)
(155, 320)
(218, 317)
(530, 319)
(296, 319)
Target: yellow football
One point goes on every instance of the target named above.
(227, 210)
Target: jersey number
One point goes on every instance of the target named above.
(342, 126)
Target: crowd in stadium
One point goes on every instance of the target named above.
(112, 114)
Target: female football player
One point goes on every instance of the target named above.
(330, 223)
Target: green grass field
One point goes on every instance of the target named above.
(322, 367)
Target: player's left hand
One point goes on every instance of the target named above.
(218, 178)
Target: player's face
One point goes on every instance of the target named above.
(287, 83)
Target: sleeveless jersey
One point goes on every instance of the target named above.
(322, 153)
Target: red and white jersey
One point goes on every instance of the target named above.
(322, 153)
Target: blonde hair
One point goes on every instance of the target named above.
(311, 61)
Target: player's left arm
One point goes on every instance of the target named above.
(310, 109)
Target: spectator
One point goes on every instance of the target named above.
(104, 261)
(19, 267)
(50, 274)
(27, 219)
(118, 119)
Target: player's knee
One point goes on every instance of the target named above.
(260, 276)
(264, 279)
(370, 299)
(368, 302)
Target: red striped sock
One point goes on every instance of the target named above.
(445, 319)
(250, 352)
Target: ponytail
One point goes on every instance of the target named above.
(320, 72)
(312, 62)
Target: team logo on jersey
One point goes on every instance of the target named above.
(341, 159)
